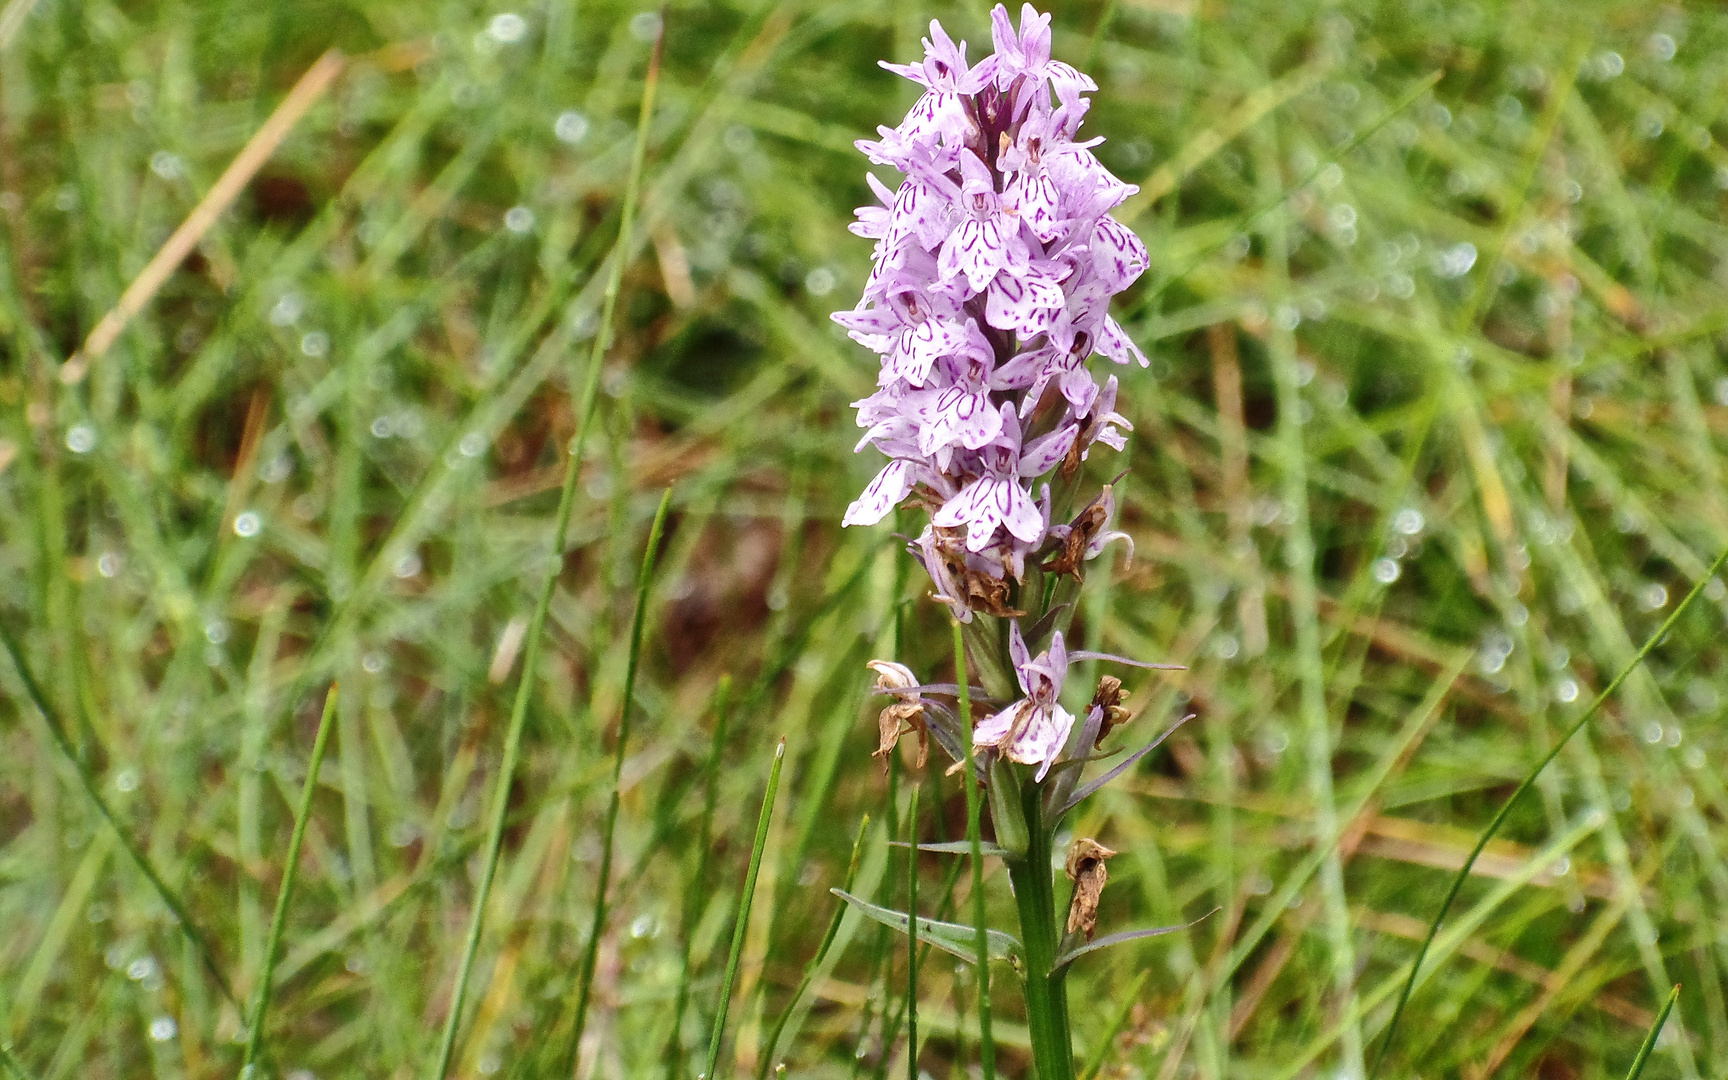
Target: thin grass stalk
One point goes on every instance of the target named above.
(697, 889)
(743, 922)
(63, 741)
(13, 1065)
(1095, 1064)
(279, 920)
(912, 936)
(560, 536)
(969, 777)
(590, 954)
(815, 964)
(1650, 1039)
(1242, 223)
(1523, 786)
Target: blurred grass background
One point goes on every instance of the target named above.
(1425, 452)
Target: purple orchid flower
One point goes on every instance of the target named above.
(995, 260)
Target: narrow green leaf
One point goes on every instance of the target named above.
(13, 1065)
(170, 899)
(560, 535)
(743, 921)
(1071, 955)
(1523, 786)
(957, 847)
(591, 952)
(954, 938)
(279, 920)
(1655, 1030)
(815, 964)
(696, 890)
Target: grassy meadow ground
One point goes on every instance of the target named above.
(1433, 439)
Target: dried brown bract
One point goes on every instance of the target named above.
(1086, 869)
(905, 716)
(1109, 698)
(1077, 540)
(978, 590)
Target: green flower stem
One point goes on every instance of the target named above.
(1046, 990)
(987, 656)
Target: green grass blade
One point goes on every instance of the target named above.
(1254, 214)
(561, 530)
(1523, 786)
(743, 922)
(1650, 1039)
(63, 741)
(1095, 1064)
(279, 920)
(590, 955)
(696, 891)
(815, 964)
(13, 1066)
(969, 777)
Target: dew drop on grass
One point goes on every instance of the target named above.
(108, 565)
(571, 127)
(163, 1028)
(1386, 570)
(81, 439)
(315, 343)
(507, 28)
(1566, 691)
(247, 524)
(126, 780)
(141, 968)
(472, 445)
(645, 26)
(288, 310)
(519, 219)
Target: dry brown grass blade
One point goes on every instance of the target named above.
(221, 195)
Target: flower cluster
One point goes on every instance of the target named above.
(994, 266)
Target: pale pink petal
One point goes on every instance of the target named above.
(891, 485)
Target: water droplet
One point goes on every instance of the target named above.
(408, 566)
(507, 28)
(819, 282)
(519, 219)
(1566, 691)
(163, 1028)
(645, 26)
(288, 310)
(472, 445)
(247, 524)
(126, 781)
(108, 565)
(373, 662)
(1386, 571)
(81, 439)
(316, 343)
(141, 968)
(571, 127)
(166, 165)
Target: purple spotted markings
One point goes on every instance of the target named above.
(995, 261)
